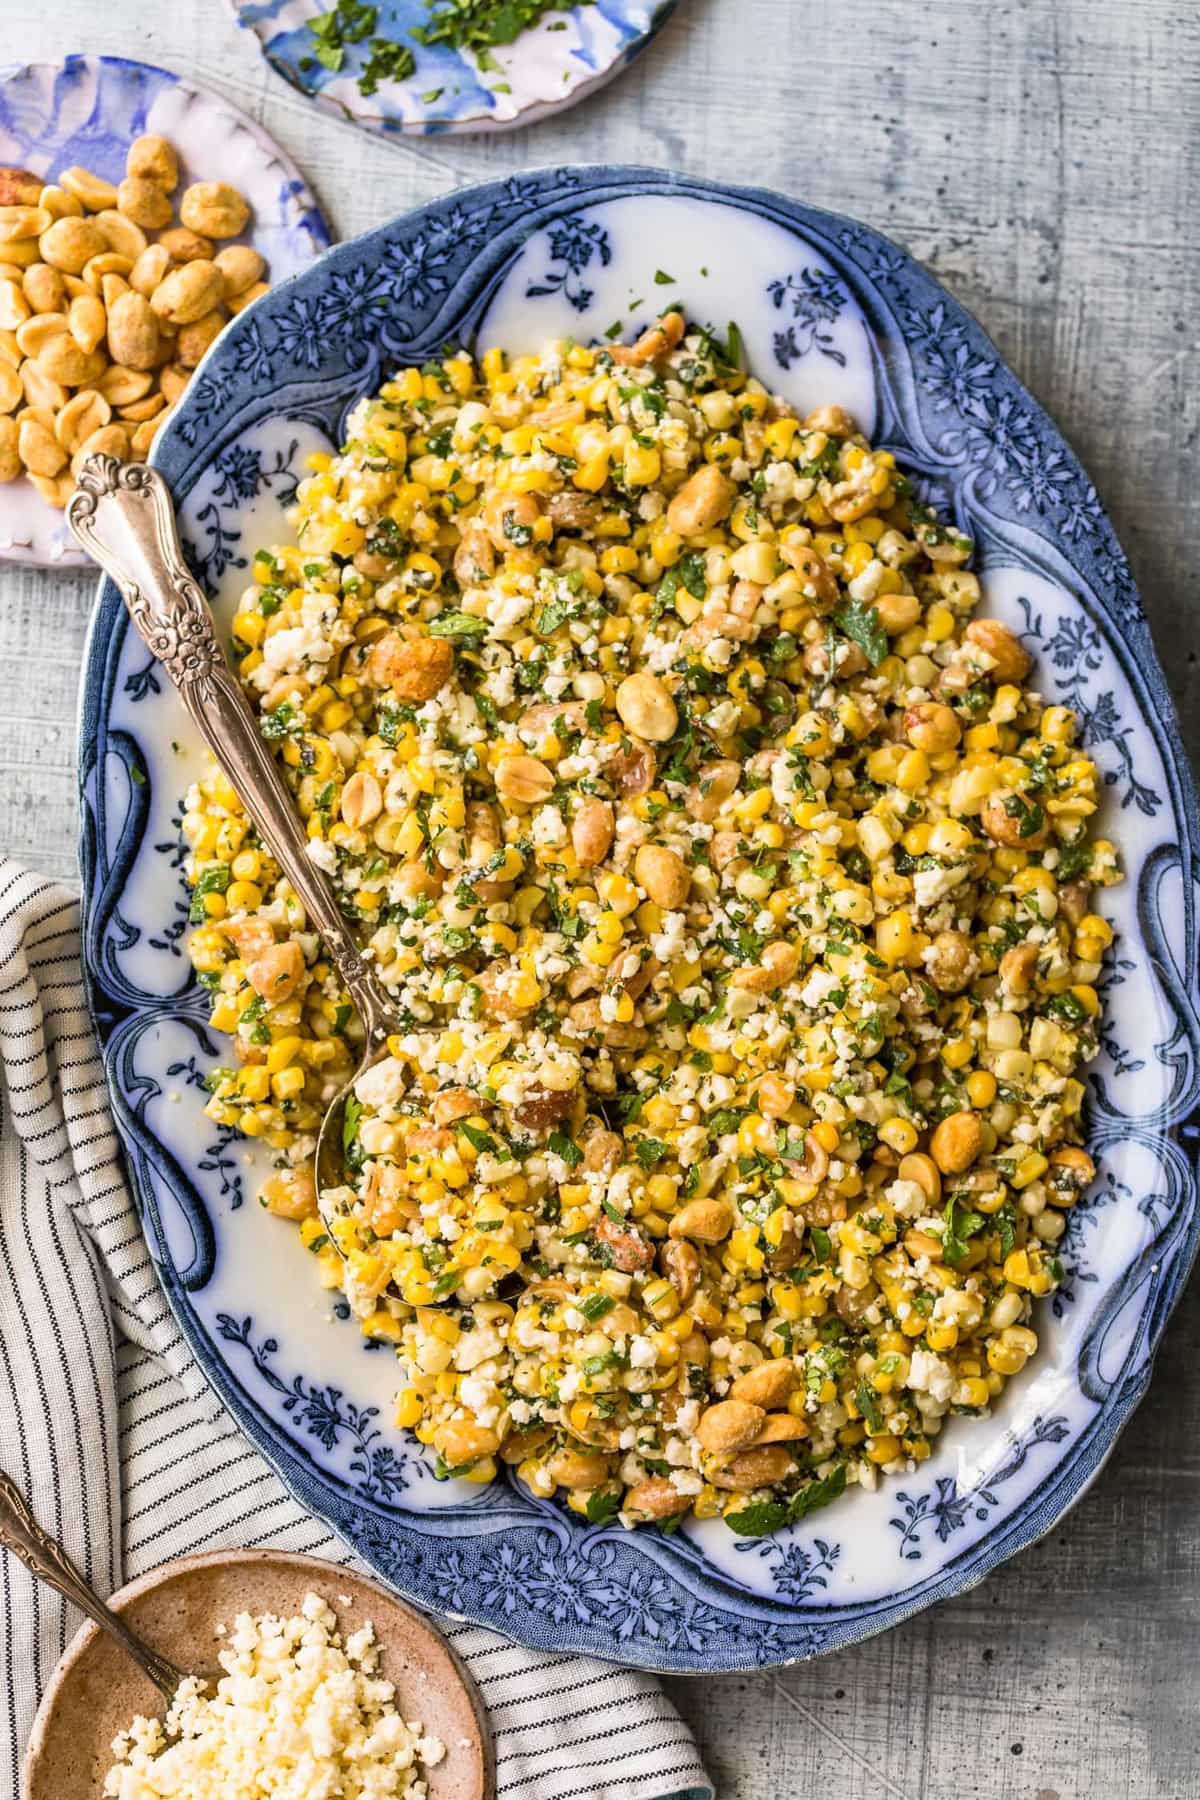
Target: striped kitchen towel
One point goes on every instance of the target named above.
(128, 1457)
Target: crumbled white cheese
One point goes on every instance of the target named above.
(323, 854)
(930, 1375)
(296, 1715)
(382, 1085)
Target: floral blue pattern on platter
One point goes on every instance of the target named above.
(87, 110)
(829, 312)
(567, 55)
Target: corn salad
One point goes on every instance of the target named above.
(734, 892)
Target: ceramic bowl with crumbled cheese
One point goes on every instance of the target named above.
(318, 1682)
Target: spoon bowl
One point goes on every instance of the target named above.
(329, 1163)
(96, 1690)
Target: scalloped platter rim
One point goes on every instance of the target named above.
(829, 312)
(569, 54)
(87, 109)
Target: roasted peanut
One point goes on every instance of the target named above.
(153, 158)
(92, 191)
(133, 335)
(1017, 968)
(702, 502)
(834, 421)
(110, 440)
(592, 831)
(172, 380)
(932, 726)
(1014, 821)
(82, 415)
(1009, 660)
(140, 410)
(718, 781)
(415, 667)
(510, 519)
(277, 972)
(708, 1221)
(475, 557)
(759, 1467)
(654, 1498)
(956, 1142)
(680, 1263)
(632, 771)
(817, 579)
(214, 209)
(239, 302)
(240, 267)
(195, 339)
(783, 1427)
(184, 246)
(951, 962)
(646, 707)
(144, 202)
(19, 187)
(188, 293)
(813, 1166)
(39, 450)
(778, 965)
(10, 453)
(729, 1425)
(577, 1469)
(69, 244)
(14, 307)
(122, 386)
(770, 1385)
(664, 875)
(87, 322)
(121, 235)
(653, 344)
(523, 780)
(362, 799)
(149, 270)
(924, 1172)
(22, 222)
(59, 204)
(461, 1443)
(43, 288)
(290, 1194)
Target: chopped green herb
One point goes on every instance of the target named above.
(458, 626)
(862, 623)
(214, 880)
(773, 1515)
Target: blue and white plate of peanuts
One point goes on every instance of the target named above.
(70, 237)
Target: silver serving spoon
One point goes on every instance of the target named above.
(122, 514)
(45, 1558)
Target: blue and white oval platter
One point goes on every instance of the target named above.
(830, 312)
(568, 54)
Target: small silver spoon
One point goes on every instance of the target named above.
(123, 516)
(45, 1557)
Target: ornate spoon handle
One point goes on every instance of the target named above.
(122, 515)
(45, 1557)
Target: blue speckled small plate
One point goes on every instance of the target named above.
(830, 313)
(87, 110)
(567, 55)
